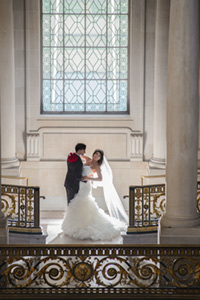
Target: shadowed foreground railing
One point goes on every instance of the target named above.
(147, 205)
(102, 270)
(22, 207)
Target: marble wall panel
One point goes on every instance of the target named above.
(58, 145)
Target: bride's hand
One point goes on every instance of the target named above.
(84, 178)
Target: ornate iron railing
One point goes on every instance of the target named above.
(102, 270)
(21, 205)
(147, 205)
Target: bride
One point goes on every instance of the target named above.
(83, 218)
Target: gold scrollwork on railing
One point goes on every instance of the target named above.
(162, 207)
(77, 272)
(147, 205)
(145, 272)
(158, 205)
(8, 205)
(198, 200)
(20, 204)
(138, 204)
(181, 272)
(109, 268)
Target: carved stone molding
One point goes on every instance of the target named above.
(33, 146)
(137, 146)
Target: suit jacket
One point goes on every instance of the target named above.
(73, 176)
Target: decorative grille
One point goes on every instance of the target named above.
(147, 205)
(99, 272)
(20, 204)
(85, 56)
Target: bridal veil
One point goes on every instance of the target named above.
(113, 202)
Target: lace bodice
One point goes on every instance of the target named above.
(87, 171)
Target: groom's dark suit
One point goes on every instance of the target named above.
(74, 175)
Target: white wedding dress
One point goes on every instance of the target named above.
(85, 220)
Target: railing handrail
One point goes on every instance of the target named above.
(150, 176)
(16, 177)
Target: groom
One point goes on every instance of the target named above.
(74, 173)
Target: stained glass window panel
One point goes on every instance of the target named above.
(96, 63)
(52, 6)
(95, 95)
(74, 6)
(74, 95)
(118, 7)
(96, 6)
(74, 63)
(116, 94)
(74, 31)
(96, 31)
(85, 56)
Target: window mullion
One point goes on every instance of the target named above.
(63, 57)
(85, 56)
(106, 83)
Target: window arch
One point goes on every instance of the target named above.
(85, 56)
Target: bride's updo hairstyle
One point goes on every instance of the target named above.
(100, 161)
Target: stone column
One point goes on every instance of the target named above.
(3, 220)
(160, 88)
(4, 237)
(7, 86)
(181, 222)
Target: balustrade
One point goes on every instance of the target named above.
(21, 205)
(102, 270)
(147, 205)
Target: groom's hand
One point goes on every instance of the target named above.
(84, 179)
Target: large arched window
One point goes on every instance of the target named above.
(85, 56)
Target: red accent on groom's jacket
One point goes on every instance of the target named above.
(72, 157)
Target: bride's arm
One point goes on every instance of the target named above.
(86, 160)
